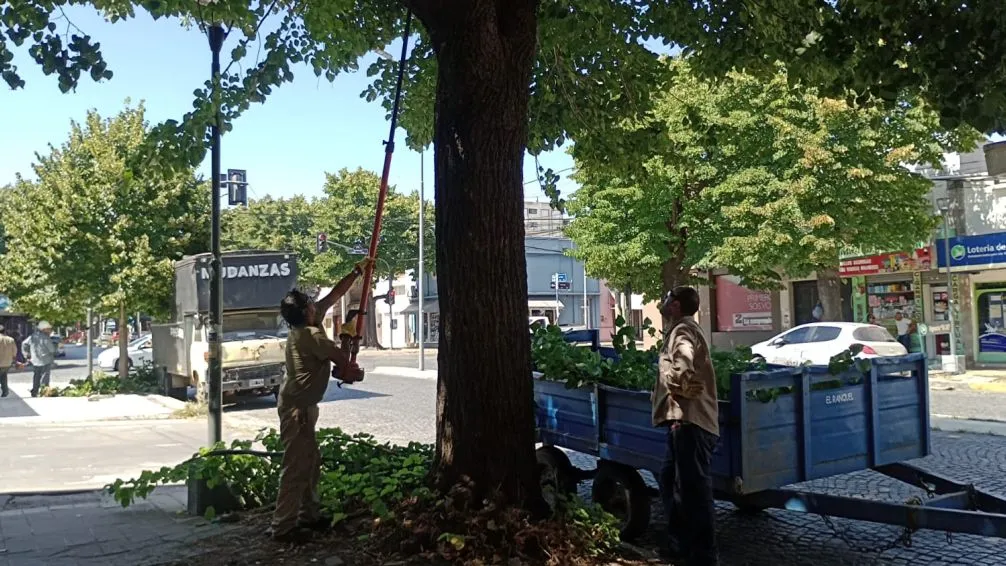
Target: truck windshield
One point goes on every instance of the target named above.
(253, 326)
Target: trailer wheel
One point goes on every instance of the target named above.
(621, 491)
(557, 475)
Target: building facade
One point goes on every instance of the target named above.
(557, 289)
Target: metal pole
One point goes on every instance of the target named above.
(391, 314)
(422, 230)
(389, 150)
(90, 343)
(556, 298)
(215, 370)
(950, 290)
(586, 307)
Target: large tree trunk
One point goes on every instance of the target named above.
(123, 343)
(485, 417)
(829, 292)
(673, 273)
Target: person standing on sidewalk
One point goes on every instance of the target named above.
(684, 401)
(8, 355)
(309, 353)
(904, 326)
(43, 353)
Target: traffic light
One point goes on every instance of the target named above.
(322, 243)
(390, 297)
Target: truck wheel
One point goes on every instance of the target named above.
(557, 475)
(621, 491)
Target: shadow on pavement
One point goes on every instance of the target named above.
(14, 406)
(347, 393)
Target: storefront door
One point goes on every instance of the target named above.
(990, 321)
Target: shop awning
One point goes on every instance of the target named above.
(428, 306)
(544, 304)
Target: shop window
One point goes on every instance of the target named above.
(740, 309)
(991, 322)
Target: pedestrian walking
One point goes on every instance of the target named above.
(904, 327)
(309, 355)
(8, 356)
(42, 353)
(818, 313)
(684, 401)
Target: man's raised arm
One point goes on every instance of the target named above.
(342, 287)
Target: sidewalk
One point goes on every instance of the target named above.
(90, 528)
(989, 380)
(20, 407)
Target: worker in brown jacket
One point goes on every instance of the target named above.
(684, 401)
(309, 353)
(8, 355)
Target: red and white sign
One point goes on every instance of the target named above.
(919, 260)
(739, 308)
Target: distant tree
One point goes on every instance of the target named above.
(346, 216)
(761, 177)
(91, 232)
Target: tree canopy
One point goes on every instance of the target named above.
(763, 177)
(89, 232)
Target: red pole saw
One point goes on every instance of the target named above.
(352, 342)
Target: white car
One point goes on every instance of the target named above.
(140, 352)
(818, 342)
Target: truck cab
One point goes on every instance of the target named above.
(253, 332)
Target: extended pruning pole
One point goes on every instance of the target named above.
(389, 150)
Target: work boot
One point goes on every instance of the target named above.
(297, 535)
(321, 524)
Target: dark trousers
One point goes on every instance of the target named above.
(906, 341)
(40, 378)
(3, 382)
(687, 492)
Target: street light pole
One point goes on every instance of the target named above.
(214, 379)
(422, 230)
(944, 205)
(586, 307)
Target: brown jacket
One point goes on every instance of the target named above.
(684, 357)
(308, 351)
(8, 351)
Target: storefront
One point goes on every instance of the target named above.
(884, 285)
(978, 267)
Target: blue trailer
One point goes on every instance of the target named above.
(780, 427)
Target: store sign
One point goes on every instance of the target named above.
(919, 260)
(973, 252)
(739, 308)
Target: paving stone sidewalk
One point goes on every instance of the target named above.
(90, 528)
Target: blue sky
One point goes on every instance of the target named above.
(304, 129)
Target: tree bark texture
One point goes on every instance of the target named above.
(485, 406)
(829, 292)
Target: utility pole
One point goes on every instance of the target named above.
(90, 344)
(422, 229)
(586, 307)
(391, 312)
(555, 281)
(944, 205)
(214, 383)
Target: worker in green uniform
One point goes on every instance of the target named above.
(309, 353)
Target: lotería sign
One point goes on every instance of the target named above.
(261, 270)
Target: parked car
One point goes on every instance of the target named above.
(140, 352)
(60, 347)
(818, 342)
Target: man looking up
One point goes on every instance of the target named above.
(309, 353)
(684, 401)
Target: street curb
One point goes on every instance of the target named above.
(49, 420)
(947, 423)
(405, 372)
